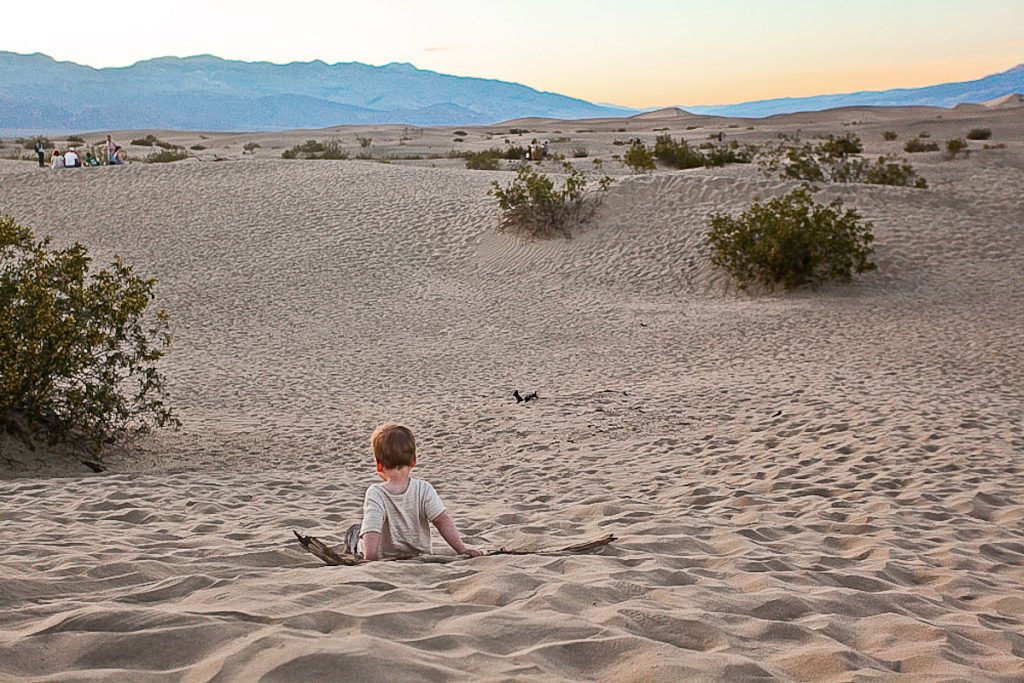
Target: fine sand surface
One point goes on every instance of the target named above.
(826, 485)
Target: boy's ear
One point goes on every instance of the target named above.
(380, 466)
(413, 462)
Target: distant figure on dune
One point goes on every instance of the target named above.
(396, 513)
(111, 148)
(119, 156)
(57, 161)
(41, 153)
(90, 159)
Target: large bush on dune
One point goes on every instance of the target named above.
(78, 349)
(533, 207)
(791, 241)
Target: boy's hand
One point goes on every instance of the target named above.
(472, 552)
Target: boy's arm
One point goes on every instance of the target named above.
(371, 546)
(446, 526)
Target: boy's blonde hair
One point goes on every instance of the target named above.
(393, 445)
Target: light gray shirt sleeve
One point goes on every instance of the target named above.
(432, 505)
(374, 513)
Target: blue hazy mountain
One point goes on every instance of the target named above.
(209, 93)
(945, 95)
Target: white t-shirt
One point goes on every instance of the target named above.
(401, 519)
(70, 158)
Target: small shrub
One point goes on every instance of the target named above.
(364, 142)
(166, 156)
(979, 134)
(147, 141)
(30, 143)
(198, 148)
(459, 140)
(916, 146)
(460, 133)
(251, 147)
(166, 145)
(677, 154)
(998, 145)
(889, 135)
(314, 149)
(580, 152)
(891, 171)
(533, 207)
(78, 346)
(482, 161)
(956, 146)
(791, 241)
(518, 131)
(76, 139)
(924, 134)
(639, 158)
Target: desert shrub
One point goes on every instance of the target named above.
(924, 134)
(364, 142)
(533, 207)
(733, 153)
(482, 161)
(956, 146)
(580, 152)
(78, 346)
(998, 145)
(166, 156)
(166, 145)
(30, 143)
(561, 139)
(678, 154)
(251, 147)
(639, 158)
(791, 241)
(198, 148)
(889, 136)
(979, 134)
(147, 141)
(892, 171)
(76, 139)
(518, 131)
(458, 139)
(314, 149)
(916, 146)
(840, 147)
(460, 133)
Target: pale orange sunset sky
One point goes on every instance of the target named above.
(641, 53)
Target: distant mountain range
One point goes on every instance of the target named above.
(945, 95)
(40, 94)
(209, 93)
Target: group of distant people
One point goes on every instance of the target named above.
(73, 159)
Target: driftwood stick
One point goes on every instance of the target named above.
(330, 557)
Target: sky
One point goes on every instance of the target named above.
(639, 53)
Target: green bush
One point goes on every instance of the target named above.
(889, 136)
(791, 241)
(979, 134)
(30, 143)
(533, 207)
(198, 148)
(147, 141)
(78, 346)
(482, 161)
(639, 158)
(677, 154)
(956, 146)
(166, 156)
(251, 147)
(916, 146)
(76, 139)
(313, 149)
(580, 152)
(460, 133)
(892, 171)
(364, 142)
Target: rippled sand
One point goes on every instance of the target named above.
(826, 485)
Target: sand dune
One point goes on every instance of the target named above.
(826, 485)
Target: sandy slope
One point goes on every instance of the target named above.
(872, 529)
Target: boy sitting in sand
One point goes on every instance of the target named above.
(396, 513)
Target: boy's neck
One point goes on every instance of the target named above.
(396, 480)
